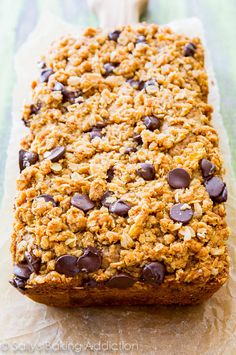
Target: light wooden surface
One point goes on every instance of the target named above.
(18, 18)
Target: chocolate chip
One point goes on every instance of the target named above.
(138, 138)
(27, 159)
(96, 132)
(68, 95)
(207, 167)
(33, 262)
(90, 261)
(113, 36)
(129, 150)
(22, 271)
(109, 67)
(141, 84)
(146, 171)
(17, 282)
(120, 208)
(34, 109)
(222, 197)
(67, 265)
(214, 187)
(152, 123)
(154, 273)
(136, 84)
(105, 199)
(141, 39)
(58, 86)
(179, 213)
(82, 202)
(26, 123)
(189, 49)
(71, 96)
(56, 154)
(45, 74)
(149, 82)
(41, 64)
(121, 281)
(91, 284)
(47, 198)
(178, 178)
(110, 174)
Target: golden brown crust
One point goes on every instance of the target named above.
(168, 293)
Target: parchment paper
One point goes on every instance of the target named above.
(29, 327)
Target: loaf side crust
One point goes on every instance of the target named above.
(170, 293)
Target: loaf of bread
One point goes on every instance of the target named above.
(121, 197)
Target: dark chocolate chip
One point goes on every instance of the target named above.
(136, 84)
(141, 84)
(68, 95)
(34, 109)
(189, 50)
(109, 67)
(82, 202)
(121, 281)
(120, 208)
(58, 86)
(129, 150)
(146, 171)
(96, 132)
(33, 262)
(222, 197)
(17, 282)
(67, 265)
(26, 123)
(41, 64)
(207, 167)
(45, 74)
(141, 39)
(149, 83)
(22, 271)
(56, 154)
(138, 138)
(178, 178)
(113, 36)
(27, 159)
(214, 186)
(179, 213)
(90, 261)
(154, 273)
(110, 174)
(47, 198)
(105, 199)
(91, 284)
(71, 96)
(152, 123)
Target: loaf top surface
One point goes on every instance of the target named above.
(120, 171)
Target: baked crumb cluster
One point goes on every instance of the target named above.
(120, 172)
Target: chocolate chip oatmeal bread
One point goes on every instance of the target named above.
(120, 188)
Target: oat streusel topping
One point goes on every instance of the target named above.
(117, 168)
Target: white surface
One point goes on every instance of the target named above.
(208, 328)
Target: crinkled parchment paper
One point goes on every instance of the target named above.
(26, 326)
